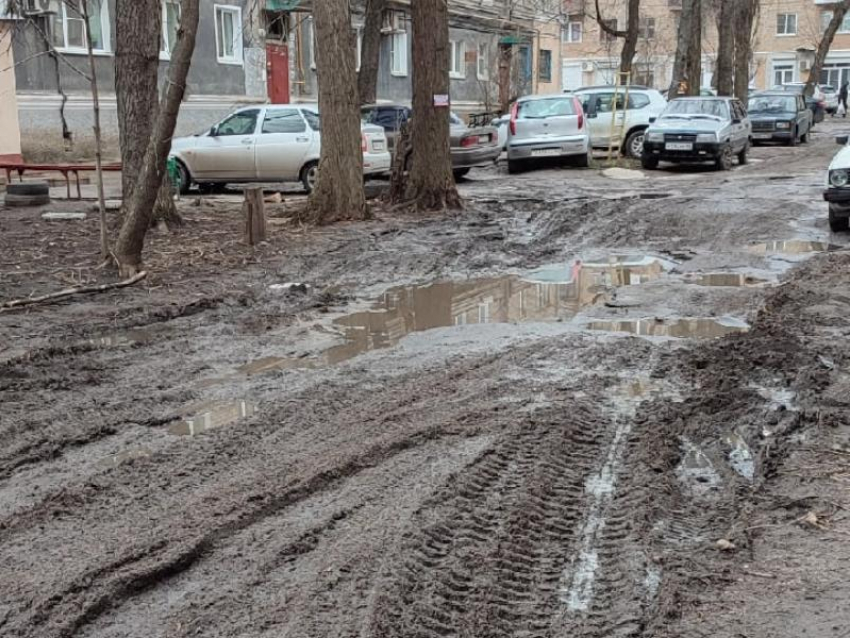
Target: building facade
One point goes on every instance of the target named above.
(787, 33)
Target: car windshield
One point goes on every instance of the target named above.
(772, 104)
(552, 107)
(695, 109)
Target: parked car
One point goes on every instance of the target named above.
(628, 123)
(501, 124)
(830, 96)
(779, 116)
(816, 101)
(837, 191)
(470, 147)
(548, 126)
(266, 144)
(699, 129)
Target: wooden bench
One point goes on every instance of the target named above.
(66, 169)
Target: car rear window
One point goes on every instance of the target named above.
(551, 107)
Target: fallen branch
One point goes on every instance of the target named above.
(70, 292)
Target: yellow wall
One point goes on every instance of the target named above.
(548, 38)
(10, 132)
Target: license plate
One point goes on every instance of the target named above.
(762, 136)
(378, 146)
(483, 139)
(546, 152)
(679, 146)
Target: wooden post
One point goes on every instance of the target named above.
(255, 215)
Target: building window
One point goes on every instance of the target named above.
(604, 35)
(783, 74)
(228, 34)
(645, 78)
(458, 63)
(826, 18)
(647, 28)
(398, 53)
(786, 24)
(545, 65)
(69, 26)
(170, 25)
(573, 32)
(483, 61)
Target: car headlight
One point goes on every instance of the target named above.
(706, 137)
(839, 178)
(783, 125)
(654, 137)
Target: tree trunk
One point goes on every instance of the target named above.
(838, 13)
(682, 66)
(139, 208)
(136, 90)
(630, 42)
(339, 190)
(724, 70)
(744, 47)
(506, 54)
(370, 52)
(695, 49)
(432, 185)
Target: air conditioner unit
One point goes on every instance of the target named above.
(588, 67)
(393, 22)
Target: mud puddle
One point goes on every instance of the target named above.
(211, 415)
(677, 328)
(726, 280)
(792, 247)
(123, 457)
(124, 338)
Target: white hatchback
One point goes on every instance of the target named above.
(273, 143)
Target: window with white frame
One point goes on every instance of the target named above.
(786, 24)
(573, 32)
(783, 74)
(69, 26)
(826, 18)
(483, 61)
(647, 28)
(398, 53)
(170, 25)
(457, 68)
(228, 34)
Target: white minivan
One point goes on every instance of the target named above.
(269, 143)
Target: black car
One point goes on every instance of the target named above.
(816, 102)
(779, 116)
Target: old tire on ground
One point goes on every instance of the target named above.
(21, 201)
(742, 156)
(515, 166)
(28, 189)
(461, 172)
(309, 175)
(837, 224)
(648, 163)
(727, 156)
(634, 144)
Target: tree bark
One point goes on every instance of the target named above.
(695, 50)
(629, 36)
(139, 209)
(724, 70)
(432, 185)
(138, 31)
(744, 47)
(370, 52)
(506, 56)
(839, 10)
(339, 190)
(683, 66)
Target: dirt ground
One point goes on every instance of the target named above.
(586, 406)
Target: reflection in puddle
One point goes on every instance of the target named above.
(211, 415)
(123, 338)
(679, 328)
(122, 457)
(548, 294)
(267, 364)
(792, 247)
(731, 280)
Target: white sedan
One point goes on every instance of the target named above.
(273, 143)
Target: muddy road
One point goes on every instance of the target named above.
(589, 405)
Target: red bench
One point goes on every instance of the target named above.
(66, 169)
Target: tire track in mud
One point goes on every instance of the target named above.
(485, 557)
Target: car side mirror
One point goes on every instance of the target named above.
(841, 140)
(652, 120)
(214, 131)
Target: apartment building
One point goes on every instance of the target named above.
(786, 37)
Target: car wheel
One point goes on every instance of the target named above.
(742, 156)
(794, 139)
(727, 156)
(515, 166)
(185, 179)
(805, 138)
(837, 224)
(634, 144)
(309, 176)
(582, 161)
(460, 173)
(649, 163)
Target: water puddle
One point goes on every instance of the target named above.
(730, 280)
(695, 470)
(123, 338)
(117, 459)
(677, 328)
(211, 415)
(266, 364)
(792, 247)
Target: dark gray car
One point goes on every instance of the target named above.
(778, 116)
